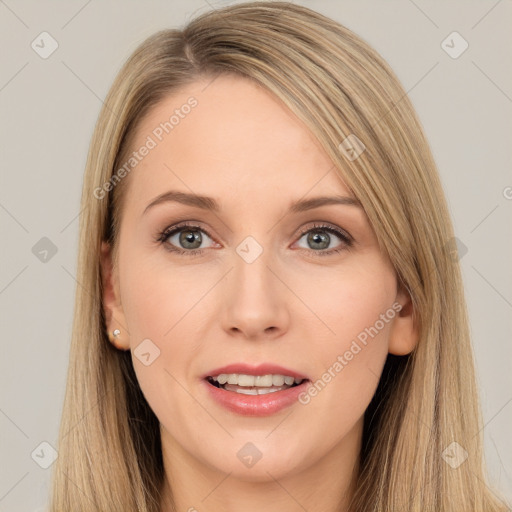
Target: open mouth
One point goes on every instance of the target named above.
(254, 384)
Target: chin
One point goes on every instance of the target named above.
(252, 464)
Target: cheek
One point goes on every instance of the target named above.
(155, 297)
(163, 302)
(358, 316)
(346, 299)
(158, 304)
(357, 308)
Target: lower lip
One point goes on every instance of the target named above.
(256, 405)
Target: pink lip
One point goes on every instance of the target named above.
(255, 405)
(260, 369)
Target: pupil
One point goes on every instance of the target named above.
(317, 237)
(189, 236)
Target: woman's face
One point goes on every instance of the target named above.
(253, 282)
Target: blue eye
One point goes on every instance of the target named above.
(188, 239)
(320, 235)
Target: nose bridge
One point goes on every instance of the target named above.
(254, 302)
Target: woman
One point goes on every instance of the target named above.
(270, 315)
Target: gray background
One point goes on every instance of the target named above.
(48, 110)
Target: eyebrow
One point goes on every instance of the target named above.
(209, 203)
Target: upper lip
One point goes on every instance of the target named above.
(260, 369)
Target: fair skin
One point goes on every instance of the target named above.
(292, 306)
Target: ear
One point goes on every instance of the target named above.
(112, 308)
(404, 331)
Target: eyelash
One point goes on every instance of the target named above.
(347, 241)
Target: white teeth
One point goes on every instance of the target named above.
(249, 381)
(277, 380)
(222, 378)
(246, 380)
(254, 391)
(263, 380)
(247, 391)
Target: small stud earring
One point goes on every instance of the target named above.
(114, 335)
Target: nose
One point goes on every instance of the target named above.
(254, 304)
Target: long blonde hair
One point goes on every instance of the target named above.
(109, 442)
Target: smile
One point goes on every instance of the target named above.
(253, 384)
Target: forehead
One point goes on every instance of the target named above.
(229, 134)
